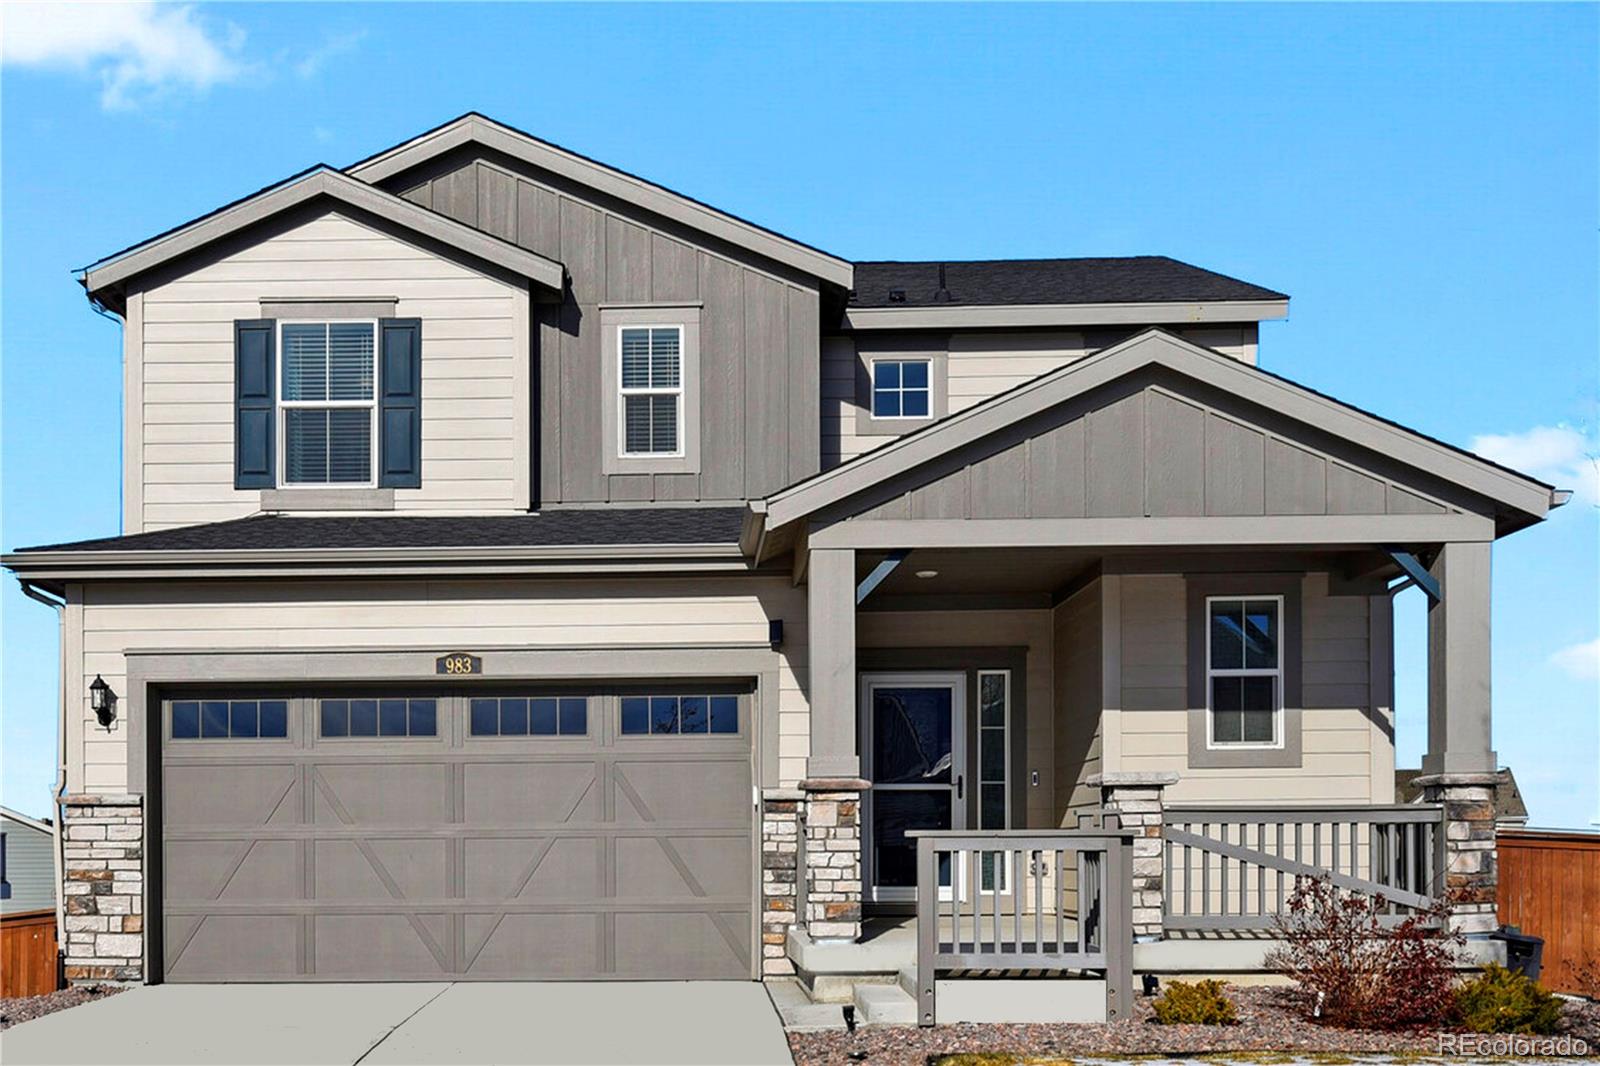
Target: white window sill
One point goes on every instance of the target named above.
(328, 499)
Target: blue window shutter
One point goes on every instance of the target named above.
(400, 403)
(254, 389)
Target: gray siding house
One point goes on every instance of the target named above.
(27, 863)
(528, 571)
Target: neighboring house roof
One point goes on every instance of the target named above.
(473, 128)
(1508, 804)
(579, 526)
(105, 278)
(23, 819)
(1100, 280)
(1521, 499)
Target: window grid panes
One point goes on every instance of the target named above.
(230, 719)
(663, 715)
(523, 716)
(651, 388)
(328, 400)
(1244, 670)
(393, 717)
(900, 388)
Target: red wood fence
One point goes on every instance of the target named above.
(28, 953)
(1550, 887)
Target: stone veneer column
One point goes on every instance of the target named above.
(1136, 798)
(103, 853)
(832, 849)
(1467, 855)
(780, 903)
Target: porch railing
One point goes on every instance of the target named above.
(1237, 867)
(1028, 901)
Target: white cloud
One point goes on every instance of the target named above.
(1565, 457)
(138, 50)
(334, 46)
(1580, 660)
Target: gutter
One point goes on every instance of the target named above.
(60, 789)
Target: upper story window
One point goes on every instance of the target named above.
(651, 390)
(1244, 670)
(328, 403)
(901, 388)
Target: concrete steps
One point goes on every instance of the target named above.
(884, 1005)
(796, 1009)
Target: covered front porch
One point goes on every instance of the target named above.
(1141, 604)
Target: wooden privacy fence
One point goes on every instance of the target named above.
(1027, 901)
(1237, 867)
(1550, 888)
(28, 964)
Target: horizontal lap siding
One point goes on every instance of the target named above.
(430, 615)
(986, 364)
(469, 371)
(1338, 738)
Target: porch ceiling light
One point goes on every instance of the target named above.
(103, 700)
(925, 574)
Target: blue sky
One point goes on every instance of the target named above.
(1421, 179)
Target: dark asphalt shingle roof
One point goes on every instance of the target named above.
(991, 282)
(547, 529)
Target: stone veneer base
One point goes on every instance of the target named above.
(103, 888)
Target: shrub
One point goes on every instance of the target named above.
(1351, 969)
(1504, 1001)
(1201, 1003)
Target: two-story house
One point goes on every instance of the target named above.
(528, 571)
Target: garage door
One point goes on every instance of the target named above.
(406, 836)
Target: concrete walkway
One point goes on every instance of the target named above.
(540, 1024)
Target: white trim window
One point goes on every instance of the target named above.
(1244, 671)
(902, 388)
(650, 391)
(327, 403)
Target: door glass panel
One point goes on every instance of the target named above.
(894, 812)
(911, 735)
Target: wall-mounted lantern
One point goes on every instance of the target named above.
(103, 700)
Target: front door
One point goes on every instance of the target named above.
(913, 733)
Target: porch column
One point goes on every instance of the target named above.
(1137, 799)
(1458, 664)
(1460, 766)
(831, 618)
(830, 833)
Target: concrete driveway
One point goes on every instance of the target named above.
(694, 1023)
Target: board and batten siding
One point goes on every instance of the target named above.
(1345, 758)
(759, 331)
(475, 365)
(30, 867)
(105, 621)
(981, 365)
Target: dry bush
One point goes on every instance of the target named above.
(1352, 969)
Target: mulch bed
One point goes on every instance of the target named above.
(1267, 1022)
(19, 1009)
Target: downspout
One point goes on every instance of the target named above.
(56, 794)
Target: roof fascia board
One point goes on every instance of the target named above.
(1155, 347)
(1142, 532)
(613, 182)
(29, 561)
(964, 316)
(27, 820)
(346, 190)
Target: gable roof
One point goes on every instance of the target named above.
(26, 820)
(1520, 500)
(104, 279)
(474, 128)
(1001, 282)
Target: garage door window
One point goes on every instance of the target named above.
(521, 716)
(230, 719)
(380, 718)
(657, 715)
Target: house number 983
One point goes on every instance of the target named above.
(458, 663)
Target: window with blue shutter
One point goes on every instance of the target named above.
(400, 403)
(254, 457)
